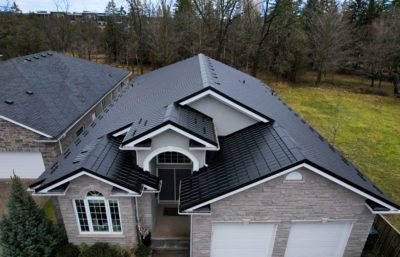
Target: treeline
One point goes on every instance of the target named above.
(284, 37)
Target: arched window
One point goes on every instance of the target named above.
(96, 214)
(294, 176)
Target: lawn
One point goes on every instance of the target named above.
(367, 126)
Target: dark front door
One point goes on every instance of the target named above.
(170, 183)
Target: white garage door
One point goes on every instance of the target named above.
(318, 240)
(238, 240)
(25, 165)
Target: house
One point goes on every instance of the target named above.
(208, 157)
(46, 101)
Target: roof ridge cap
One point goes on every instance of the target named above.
(204, 71)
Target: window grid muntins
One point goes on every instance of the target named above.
(98, 214)
(81, 212)
(173, 158)
(95, 214)
(114, 211)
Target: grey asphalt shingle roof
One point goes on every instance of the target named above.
(64, 88)
(291, 136)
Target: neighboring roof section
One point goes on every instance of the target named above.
(198, 125)
(47, 92)
(103, 159)
(244, 157)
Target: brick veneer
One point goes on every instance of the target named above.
(282, 202)
(78, 188)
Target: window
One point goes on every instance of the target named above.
(294, 176)
(172, 158)
(95, 214)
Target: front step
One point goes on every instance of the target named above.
(170, 244)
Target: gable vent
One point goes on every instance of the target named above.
(29, 92)
(9, 101)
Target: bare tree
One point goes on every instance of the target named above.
(329, 37)
(217, 16)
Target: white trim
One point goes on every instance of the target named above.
(149, 157)
(303, 165)
(90, 175)
(228, 102)
(122, 132)
(382, 212)
(161, 130)
(49, 194)
(24, 126)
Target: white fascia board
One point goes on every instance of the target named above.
(227, 102)
(79, 174)
(24, 126)
(122, 132)
(50, 194)
(303, 165)
(131, 145)
(382, 212)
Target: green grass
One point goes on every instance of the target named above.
(369, 125)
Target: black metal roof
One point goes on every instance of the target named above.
(152, 92)
(245, 156)
(49, 91)
(185, 118)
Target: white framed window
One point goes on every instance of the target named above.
(96, 214)
(172, 158)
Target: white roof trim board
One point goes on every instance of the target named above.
(225, 101)
(131, 145)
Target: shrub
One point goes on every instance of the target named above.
(68, 250)
(142, 251)
(25, 230)
(102, 250)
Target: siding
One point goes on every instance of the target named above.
(281, 202)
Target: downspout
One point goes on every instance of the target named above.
(191, 236)
(60, 145)
(137, 220)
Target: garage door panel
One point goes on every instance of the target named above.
(318, 240)
(236, 239)
(24, 164)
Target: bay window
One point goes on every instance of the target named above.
(96, 214)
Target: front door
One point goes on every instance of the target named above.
(170, 183)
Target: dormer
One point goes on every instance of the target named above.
(181, 130)
(228, 114)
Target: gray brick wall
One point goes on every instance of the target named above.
(282, 202)
(14, 138)
(77, 190)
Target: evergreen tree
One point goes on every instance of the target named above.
(25, 231)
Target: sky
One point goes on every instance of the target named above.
(74, 5)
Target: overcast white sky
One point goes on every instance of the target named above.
(75, 5)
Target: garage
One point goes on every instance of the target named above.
(238, 239)
(27, 165)
(318, 239)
